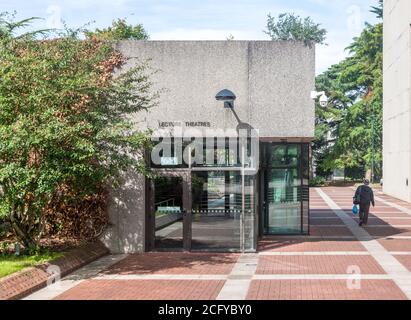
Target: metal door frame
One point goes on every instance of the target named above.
(185, 175)
(264, 170)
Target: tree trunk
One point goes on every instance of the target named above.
(23, 237)
(368, 174)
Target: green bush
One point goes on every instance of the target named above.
(317, 182)
(65, 121)
(5, 228)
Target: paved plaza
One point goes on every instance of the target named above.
(339, 260)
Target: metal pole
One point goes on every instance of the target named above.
(373, 145)
(243, 199)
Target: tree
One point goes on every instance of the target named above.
(289, 26)
(8, 27)
(378, 10)
(353, 119)
(64, 121)
(120, 30)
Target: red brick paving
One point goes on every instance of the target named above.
(388, 222)
(144, 290)
(324, 231)
(323, 290)
(222, 264)
(323, 214)
(396, 245)
(343, 197)
(388, 231)
(310, 245)
(327, 222)
(175, 263)
(405, 261)
(396, 214)
(317, 265)
(384, 216)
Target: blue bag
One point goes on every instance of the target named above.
(355, 209)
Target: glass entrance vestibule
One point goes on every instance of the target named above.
(204, 211)
(218, 208)
(284, 175)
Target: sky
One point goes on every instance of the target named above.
(206, 19)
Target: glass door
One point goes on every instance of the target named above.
(283, 202)
(216, 210)
(168, 211)
(283, 206)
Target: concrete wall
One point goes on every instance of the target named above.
(272, 82)
(127, 216)
(397, 98)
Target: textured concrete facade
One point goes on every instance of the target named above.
(272, 82)
(127, 216)
(397, 98)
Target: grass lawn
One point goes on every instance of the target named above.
(10, 263)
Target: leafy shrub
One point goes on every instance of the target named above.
(317, 182)
(5, 228)
(75, 217)
(64, 121)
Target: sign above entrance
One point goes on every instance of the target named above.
(198, 124)
(188, 124)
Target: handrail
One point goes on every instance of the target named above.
(166, 202)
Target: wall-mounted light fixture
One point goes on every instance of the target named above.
(228, 97)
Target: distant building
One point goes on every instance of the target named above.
(397, 99)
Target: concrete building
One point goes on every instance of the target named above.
(220, 195)
(397, 99)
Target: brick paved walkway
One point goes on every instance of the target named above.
(339, 260)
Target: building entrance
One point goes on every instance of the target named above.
(168, 213)
(203, 211)
(286, 189)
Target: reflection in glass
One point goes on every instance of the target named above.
(283, 200)
(217, 211)
(168, 213)
(285, 155)
(283, 188)
(305, 161)
(173, 153)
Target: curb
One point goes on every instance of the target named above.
(20, 284)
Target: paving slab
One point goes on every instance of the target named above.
(338, 261)
(323, 290)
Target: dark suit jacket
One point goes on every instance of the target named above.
(366, 195)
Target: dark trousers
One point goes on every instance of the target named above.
(364, 212)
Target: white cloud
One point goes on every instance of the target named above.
(208, 19)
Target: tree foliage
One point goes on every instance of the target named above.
(64, 121)
(120, 30)
(9, 26)
(378, 10)
(289, 26)
(347, 129)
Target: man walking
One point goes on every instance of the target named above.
(364, 196)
